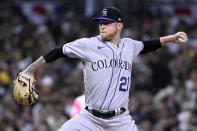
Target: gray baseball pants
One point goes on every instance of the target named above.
(85, 121)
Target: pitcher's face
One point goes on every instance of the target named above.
(108, 29)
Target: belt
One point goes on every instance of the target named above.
(106, 115)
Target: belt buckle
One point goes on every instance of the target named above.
(108, 114)
(103, 114)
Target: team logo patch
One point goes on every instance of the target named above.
(104, 12)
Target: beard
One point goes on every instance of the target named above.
(108, 36)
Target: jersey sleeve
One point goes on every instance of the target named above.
(76, 49)
(137, 46)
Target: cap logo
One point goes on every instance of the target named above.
(104, 12)
(119, 19)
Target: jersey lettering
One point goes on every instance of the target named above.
(101, 64)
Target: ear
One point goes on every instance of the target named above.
(120, 26)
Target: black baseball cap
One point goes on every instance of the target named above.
(110, 13)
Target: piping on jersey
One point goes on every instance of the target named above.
(117, 81)
(111, 75)
(128, 84)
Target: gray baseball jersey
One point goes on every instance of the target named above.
(107, 70)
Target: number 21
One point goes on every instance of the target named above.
(124, 84)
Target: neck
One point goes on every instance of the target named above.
(115, 40)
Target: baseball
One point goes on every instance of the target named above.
(182, 40)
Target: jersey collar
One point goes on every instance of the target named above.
(112, 44)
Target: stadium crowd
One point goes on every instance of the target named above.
(164, 83)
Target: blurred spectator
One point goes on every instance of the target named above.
(78, 105)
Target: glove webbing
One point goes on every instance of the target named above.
(31, 94)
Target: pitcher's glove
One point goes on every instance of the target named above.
(24, 89)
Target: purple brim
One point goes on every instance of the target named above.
(103, 18)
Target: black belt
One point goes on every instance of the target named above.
(105, 115)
